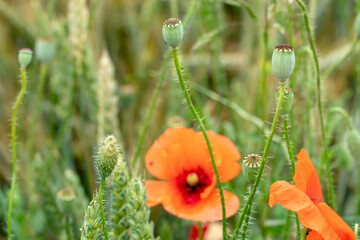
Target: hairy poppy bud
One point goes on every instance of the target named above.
(44, 49)
(65, 198)
(24, 57)
(107, 156)
(353, 140)
(173, 32)
(251, 164)
(287, 101)
(344, 157)
(283, 61)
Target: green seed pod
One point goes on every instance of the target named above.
(173, 32)
(65, 199)
(24, 57)
(107, 156)
(344, 157)
(44, 49)
(251, 164)
(353, 140)
(283, 61)
(287, 102)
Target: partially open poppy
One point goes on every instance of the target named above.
(180, 157)
(305, 198)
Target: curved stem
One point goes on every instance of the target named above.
(13, 145)
(325, 157)
(249, 202)
(202, 127)
(343, 113)
(156, 94)
(102, 215)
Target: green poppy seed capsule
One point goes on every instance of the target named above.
(283, 61)
(251, 163)
(44, 49)
(108, 155)
(287, 101)
(173, 32)
(353, 140)
(65, 199)
(24, 57)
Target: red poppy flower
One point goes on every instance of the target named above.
(180, 157)
(305, 198)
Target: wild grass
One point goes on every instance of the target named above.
(111, 60)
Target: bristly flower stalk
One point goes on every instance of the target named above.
(24, 57)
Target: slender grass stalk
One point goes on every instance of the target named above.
(325, 158)
(203, 129)
(249, 202)
(356, 230)
(343, 113)
(102, 215)
(200, 234)
(39, 95)
(159, 86)
(13, 145)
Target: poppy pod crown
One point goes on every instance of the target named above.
(181, 158)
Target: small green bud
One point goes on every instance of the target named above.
(65, 199)
(44, 49)
(173, 32)
(24, 57)
(344, 157)
(107, 156)
(353, 140)
(283, 61)
(287, 101)
(251, 163)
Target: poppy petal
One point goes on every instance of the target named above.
(176, 150)
(206, 210)
(229, 167)
(294, 199)
(341, 228)
(156, 191)
(313, 236)
(306, 177)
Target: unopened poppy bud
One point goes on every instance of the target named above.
(287, 102)
(173, 32)
(251, 164)
(24, 57)
(353, 140)
(65, 199)
(107, 156)
(44, 49)
(283, 61)
(344, 157)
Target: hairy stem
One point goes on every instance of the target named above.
(202, 127)
(102, 215)
(249, 202)
(13, 145)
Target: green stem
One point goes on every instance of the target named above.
(102, 215)
(249, 202)
(200, 233)
(245, 226)
(149, 114)
(67, 223)
(287, 225)
(304, 234)
(202, 127)
(13, 145)
(325, 158)
(356, 230)
(343, 113)
(292, 161)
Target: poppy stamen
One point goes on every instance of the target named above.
(192, 179)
